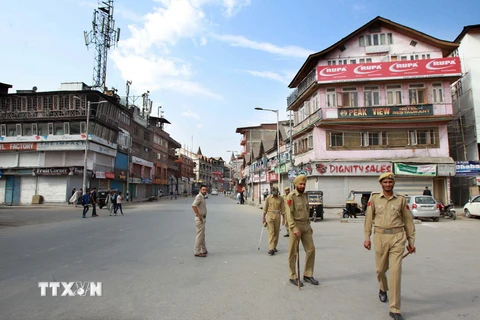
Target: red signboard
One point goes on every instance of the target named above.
(110, 175)
(390, 70)
(18, 146)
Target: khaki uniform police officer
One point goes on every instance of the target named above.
(298, 217)
(287, 191)
(393, 227)
(274, 209)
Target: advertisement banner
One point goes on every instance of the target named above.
(390, 70)
(424, 170)
(57, 171)
(18, 146)
(467, 168)
(446, 169)
(351, 168)
(386, 111)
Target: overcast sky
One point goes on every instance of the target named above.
(208, 63)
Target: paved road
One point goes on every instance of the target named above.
(147, 268)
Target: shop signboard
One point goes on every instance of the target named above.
(467, 168)
(424, 170)
(351, 168)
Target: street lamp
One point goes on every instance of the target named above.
(278, 145)
(84, 186)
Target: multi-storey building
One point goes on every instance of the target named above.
(173, 172)
(185, 169)
(202, 171)
(218, 167)
(160, 149)
(377, 100)
(43, 142)
(464, 131)
(253, 172)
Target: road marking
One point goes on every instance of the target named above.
(429, 225)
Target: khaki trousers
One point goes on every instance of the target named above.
(200, 246)
(389, 249)
(307, 242)
(273, 226)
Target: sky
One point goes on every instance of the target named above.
(206, 63)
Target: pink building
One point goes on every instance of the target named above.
(377, 100)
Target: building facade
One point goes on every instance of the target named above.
(464, 131)
(378, 100)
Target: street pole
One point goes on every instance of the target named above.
(128, 173)
(86, 151)
(291, 147)
(278, 157)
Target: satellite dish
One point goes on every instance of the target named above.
(34, 89)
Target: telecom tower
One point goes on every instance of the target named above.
(103, 35)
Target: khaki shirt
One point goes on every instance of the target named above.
(389, 213)
(297, 209)
(274, 205)
(201, 204)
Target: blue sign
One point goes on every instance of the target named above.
(467, 168)
(1, 173)
(144, 180)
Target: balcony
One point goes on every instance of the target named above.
(306, 84)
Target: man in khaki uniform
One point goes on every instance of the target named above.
(287, 191)
(274, 207)
(199, 207)
(298, 217)
(393, 227)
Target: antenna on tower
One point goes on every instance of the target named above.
(129, 83)
(103, 35)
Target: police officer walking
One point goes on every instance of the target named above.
(273, 208)
(298, 217)
(287, 191)
(393, 228)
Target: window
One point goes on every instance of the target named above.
(383, 40)
(350, 97)
(336, 139)
(83, 127)
(353, 61)
(375, 40)
(56, 103)
(66, 128)
(27, 129)
(315, 104)
(372, 96)
(361, 41)
(331, 98)
(39, 103)
(373, 139)
(437, 93)
(3, 130)
(421, 137)
(416, 93)
(362, 60)
(11, 130)
(414, 57)
(74, 127)
(394, 94)
(23, 106)
(58, 128)
(390, 38)
(18, 129)
(368, 60)
(42, 129)
(34, 129)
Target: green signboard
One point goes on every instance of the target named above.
(415, 170)
(386, 111)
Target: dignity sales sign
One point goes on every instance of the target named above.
(390, 70)
(351, 168)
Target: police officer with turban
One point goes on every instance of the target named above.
(393, 228)
(273, 211)
(298, 217)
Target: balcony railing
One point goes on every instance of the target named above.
(33, 114)
(302, 87)
(314, 117)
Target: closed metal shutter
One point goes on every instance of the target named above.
(2, 189)
(53, 189)
(74, 158)
(28, 159)
(9, 160)
(27, 189)
(412, 185)
(53, 159)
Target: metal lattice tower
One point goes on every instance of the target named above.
(104, 36)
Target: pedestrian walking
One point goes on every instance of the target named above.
(93, 201)
(273, 210)
(298, 217)
(85, 202)
(72, 196)
(118, 203)
(109, 202)
(393, 228)
(199, 207)
(79, 197)
(287, 192)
